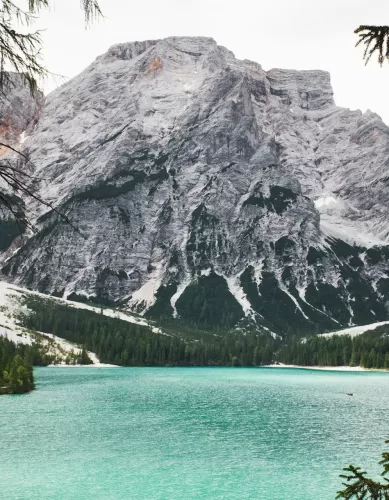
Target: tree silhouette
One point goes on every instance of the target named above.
(20, 52)
(376, 40)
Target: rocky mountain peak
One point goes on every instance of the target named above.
(210, 192)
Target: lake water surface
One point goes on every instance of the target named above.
(190, 433)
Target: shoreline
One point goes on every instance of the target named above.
(329, 368)
(92, 365)
(276, 365)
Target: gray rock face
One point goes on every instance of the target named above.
(18, 109)
(208, 190)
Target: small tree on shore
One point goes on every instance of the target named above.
(20, 377)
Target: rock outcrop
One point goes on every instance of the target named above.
(19, 111)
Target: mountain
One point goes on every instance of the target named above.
(209, 192)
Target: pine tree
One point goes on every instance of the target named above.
(354, 361)
(372, 360)
(365, 359)
(85, 359)
(257, 356)
(19, 377)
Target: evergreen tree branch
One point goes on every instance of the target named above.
(360, 487)
(21, 52)
(13, 176)
(376, 40)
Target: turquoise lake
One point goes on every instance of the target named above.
(190, 433)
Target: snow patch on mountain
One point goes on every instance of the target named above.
(180, 290)
(327, 202)
(10, 307)
(236, 290)
(353, 234)
(143, 298)
(355, 330)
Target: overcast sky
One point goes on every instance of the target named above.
(298, 34)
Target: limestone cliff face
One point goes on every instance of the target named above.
(19, 111)
(211, 191)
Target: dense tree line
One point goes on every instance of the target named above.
(16, 360)
(208, 304)
(370, 350)
(128, 344)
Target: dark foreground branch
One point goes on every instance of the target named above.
(21, 51)
(360, 487)
(18, 180)
(376, 40)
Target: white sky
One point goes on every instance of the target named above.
(297, 34)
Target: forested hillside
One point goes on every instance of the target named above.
(369, 350)
(124, 343)
(128, 344)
